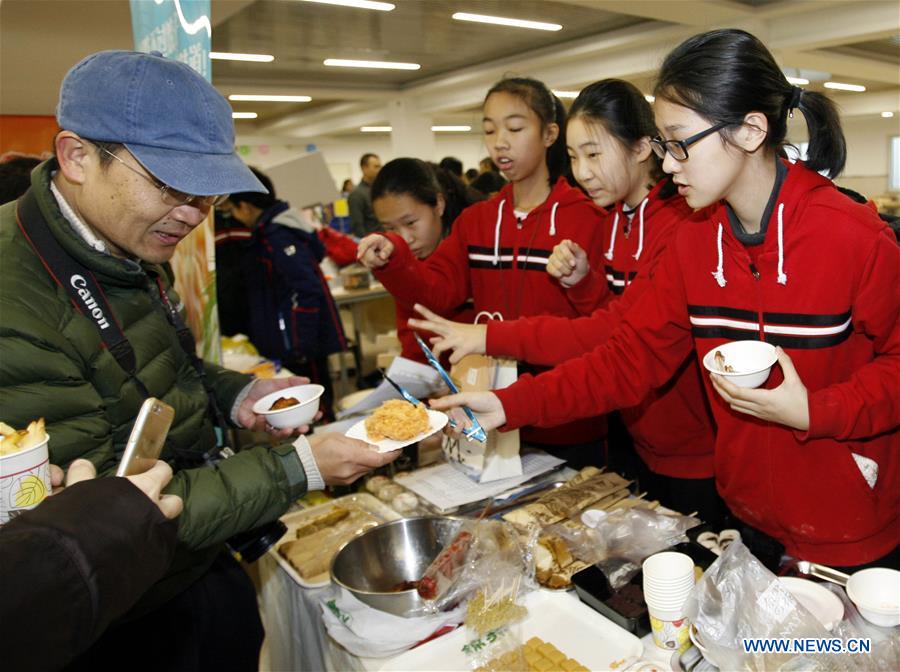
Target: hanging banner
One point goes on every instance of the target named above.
(181, 30)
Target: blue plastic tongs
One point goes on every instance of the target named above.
(476, 431)
(403, 393)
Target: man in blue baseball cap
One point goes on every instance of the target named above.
(91, 327)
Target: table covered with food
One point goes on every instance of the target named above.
(580, 574)
(500, 557)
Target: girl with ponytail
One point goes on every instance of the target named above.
(497, 252)
(776, 253)
(608, 139)
(419, 202)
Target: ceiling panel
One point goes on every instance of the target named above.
(301, 35)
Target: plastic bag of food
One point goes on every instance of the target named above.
(619, 542)
(738, 599)
(486, 553)
(446, 568)
(495, 610)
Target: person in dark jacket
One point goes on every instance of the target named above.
(75, 564)
(292, 317)
(145, 152)
(362, 217)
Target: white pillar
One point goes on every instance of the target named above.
(411, 133)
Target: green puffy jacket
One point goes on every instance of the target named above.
(53, 364)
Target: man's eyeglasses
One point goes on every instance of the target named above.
(679, 148)
(169, 195)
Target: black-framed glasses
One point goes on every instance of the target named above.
(679, 148)
(170, 195)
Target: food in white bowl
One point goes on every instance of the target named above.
(290, 407)
(743, 363)
(876, 593)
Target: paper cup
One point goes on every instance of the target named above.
(668, 567)
(671, 629)
(24, 480)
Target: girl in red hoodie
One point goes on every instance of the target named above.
(419, 203)
(777, 254)
(608, 137)
(497, 251)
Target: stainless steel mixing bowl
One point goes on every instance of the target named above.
(375, 562)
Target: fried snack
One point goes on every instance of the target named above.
(720, 362)
(311, 554)
(555, 561)
(14, 441)
(283, 402)
(582, 491)
(336, 515)
(535, 655)
(397, 419)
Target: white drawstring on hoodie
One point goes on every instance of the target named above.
(782, 276)
(500, 220)
(497, 231)
(612, 238)
(719, 273)
(637, 255)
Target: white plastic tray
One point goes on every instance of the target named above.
(361, 500)
(558, 618)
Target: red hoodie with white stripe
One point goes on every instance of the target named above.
(500, 262)
(672, 427)
(826, 287)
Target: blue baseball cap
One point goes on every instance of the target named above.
(168, 116)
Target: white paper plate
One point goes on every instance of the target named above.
(558, 618)
(436, 422)
(818, 600)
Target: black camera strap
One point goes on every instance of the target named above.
(89, 299)
(80, 284)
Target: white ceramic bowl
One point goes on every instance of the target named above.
(752, 361)
(876, 593)
(293, 416)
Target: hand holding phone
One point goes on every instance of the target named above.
(148, 436)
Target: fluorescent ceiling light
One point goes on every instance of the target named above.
(887, 115)
(226, 56)
(359, 4)
(565, 94)
(244, 115)
(840, 86)
(451, 129)
(649, 98)
(268, 99)
(387, 65)
(375, 129)
(504, 21)
(798, 81)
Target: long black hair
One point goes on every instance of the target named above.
(549, 110)
(256, 199)
(725, 74)
(423, 182)
(622, 110)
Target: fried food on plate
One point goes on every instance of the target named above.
(397, 419)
